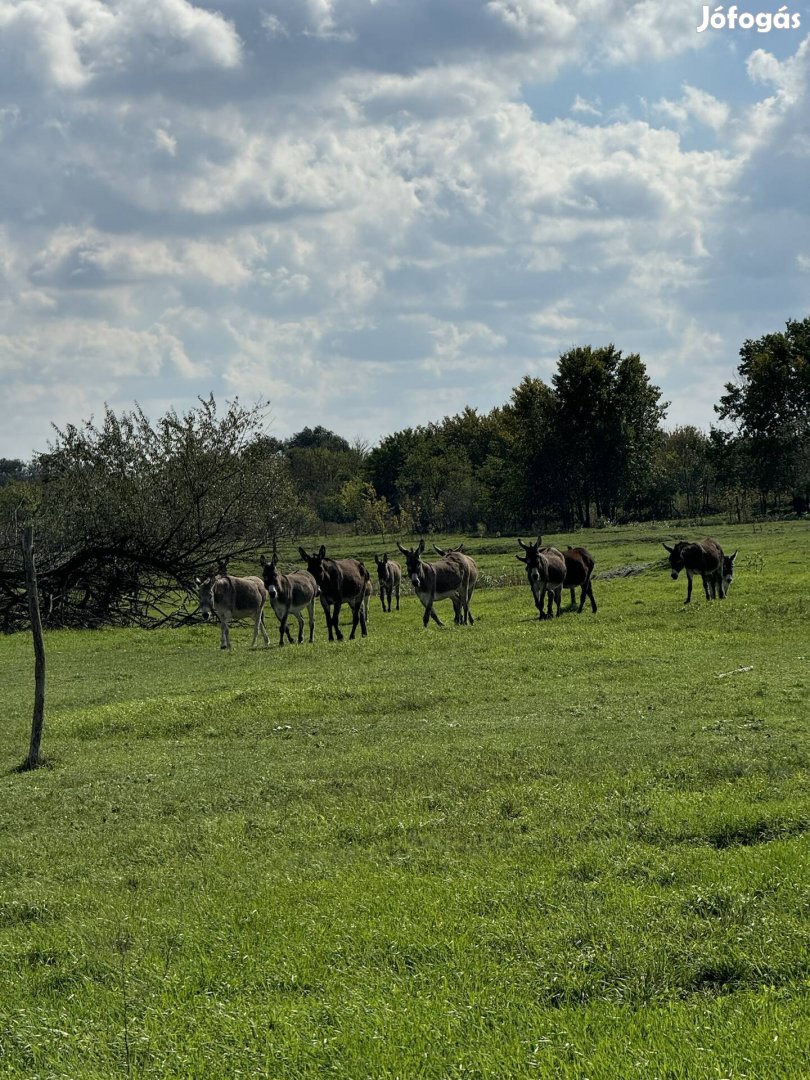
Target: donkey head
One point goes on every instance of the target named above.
(413, 560)
(271, 575)
(205, 594)
(531, 559)
(315, 562)
(676, 558)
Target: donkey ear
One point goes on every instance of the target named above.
(401, 548)
(669, 549)
(385, 556)
(521, 558)
(421, 547)
(322, 551)
(303, 554)
(198, 581)
(524, 546)
(263, 560)
(734, 556)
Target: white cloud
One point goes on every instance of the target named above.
(695, 105)
(66, 43)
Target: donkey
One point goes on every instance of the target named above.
(389, 575)
(545, 569)
(340, 581)
(704, 557)
(290, 594)
(468, 563)
(233, 598)
(579, 564)
(446, 579)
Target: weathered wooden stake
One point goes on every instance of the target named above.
(33, 760)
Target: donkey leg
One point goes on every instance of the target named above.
(397, 599)
(300, 618)
(593, 598)
(336, 619)
(430, 613)
(224, 634)
(328, 613)
(574, 599)
(538, 600)
(689, 587)
(359, 615)
(263, 628)
(258, 625)
(282, 626)
(311, 615)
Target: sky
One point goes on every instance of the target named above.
(373, 213)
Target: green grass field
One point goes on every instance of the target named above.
(558, 849)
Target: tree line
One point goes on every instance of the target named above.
(127, 511)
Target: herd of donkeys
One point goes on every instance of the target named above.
(452, 576)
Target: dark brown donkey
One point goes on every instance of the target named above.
(579, 564)
(290, 594)
(389, 574)
(704, 557)
(341, 581)
(545, 569)
(447, 579)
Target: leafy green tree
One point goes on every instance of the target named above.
(436, 486)
(682, 474)
(320, 463)
(386, 463)
(11, 469)
(769, 408)
(607, 421)
(525, 477)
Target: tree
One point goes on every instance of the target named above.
(11, 469)
(525, 478)
(682, 473)
(769, 407)
(608, 417)
(320, 463)
(130, 511)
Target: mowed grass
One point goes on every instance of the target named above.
(547, 849)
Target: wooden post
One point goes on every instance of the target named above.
(33, 761)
